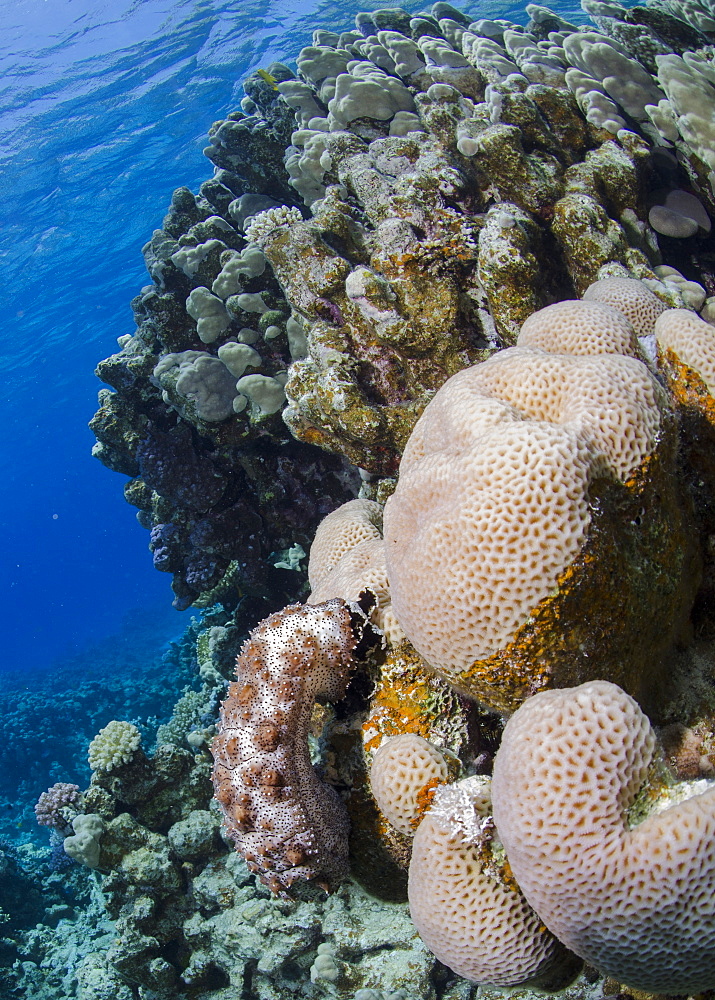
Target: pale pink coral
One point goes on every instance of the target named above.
(50, 805)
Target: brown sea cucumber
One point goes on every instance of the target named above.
(287, 823)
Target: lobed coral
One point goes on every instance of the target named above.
(569, 805)
(496, 504)
(465, 905)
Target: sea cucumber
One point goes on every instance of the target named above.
(285, 821)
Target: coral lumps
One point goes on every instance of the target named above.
(287, 823)
(529, 484)
(405, 772)
(465, 905)
(463, 899)
(636, 899)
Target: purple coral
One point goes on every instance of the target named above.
(171, 464)
(329, 311)
(165, 540)
(50, 804)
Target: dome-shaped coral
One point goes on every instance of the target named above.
(405, 772)
(634, 897)
(631, 298)
(468, 910)
(529, 484)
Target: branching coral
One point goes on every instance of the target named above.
(114, 745)
(58, 804)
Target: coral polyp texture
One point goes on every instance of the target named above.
(530, 482)
(343, 529)
(631, 298)
(405, 773)
(691, 340)
(463, 899)
(465, 904)
(287, 823)
(634, 896)
(347, 558)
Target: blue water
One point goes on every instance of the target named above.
(104, 108)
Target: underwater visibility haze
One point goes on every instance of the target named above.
(359, 606)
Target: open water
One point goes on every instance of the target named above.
(104, 109)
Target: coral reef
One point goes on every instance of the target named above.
(193, 415)
(472, 252)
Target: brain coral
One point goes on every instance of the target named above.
(463, 903)
(691, 339)
(631, 298)
(405, 772)
(635, 899)
(347, 557)
(467, 909)
(352, 523)
(578, 327)
(516, 502)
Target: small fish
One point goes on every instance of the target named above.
(265, 75)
